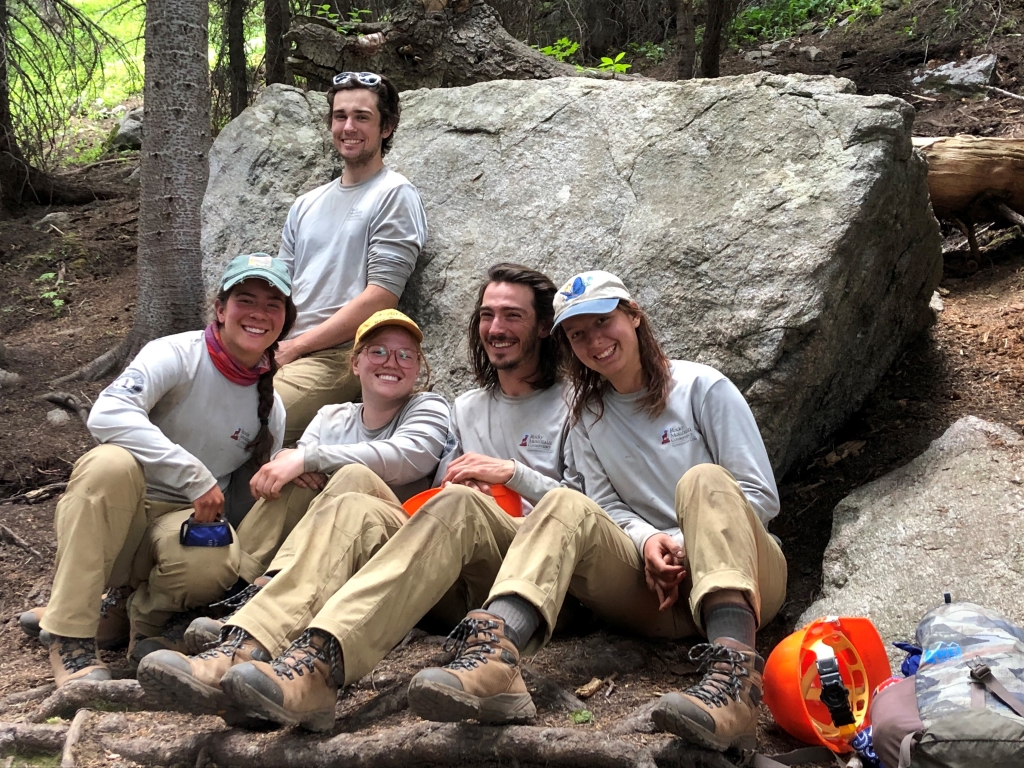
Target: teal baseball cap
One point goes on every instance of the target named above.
(261, 265)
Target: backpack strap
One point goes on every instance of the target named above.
(796, 757)
(982, 675)
(905, 745)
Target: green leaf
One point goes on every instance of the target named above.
(46, 276)
(581, 716)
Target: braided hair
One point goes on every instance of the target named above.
(259, 447)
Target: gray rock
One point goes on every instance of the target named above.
(966, 78)
(59, 219)
(936, 304)
(57, 417)
(775, 227)
(811, 53)
(8, 378)
(758, 55)
(951, 520)
(129, 132)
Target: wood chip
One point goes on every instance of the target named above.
(588, 690)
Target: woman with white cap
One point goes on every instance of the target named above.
(669, 541)
(189, 411)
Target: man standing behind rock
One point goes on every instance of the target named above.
(350, 246)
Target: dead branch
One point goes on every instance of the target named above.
(98, 163)
(549, 694)
(32, 694)
(68, 402)
(10, 537)
(423, 743)
(110, 694)
(67, 757)
(36, 495)
(1010, 214)
(98, 368)
(31, 738)
(1001, 92)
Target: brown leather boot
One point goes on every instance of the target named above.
(720, 712)
(192, 684)
(113, 630)
(205, 631)
(74, 658)
(482, 683)
(299, 687)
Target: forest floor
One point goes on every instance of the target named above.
(968, 363)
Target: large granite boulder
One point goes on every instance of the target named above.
(951, 520)
(777, 228)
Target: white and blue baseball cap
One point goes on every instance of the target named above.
(589, 293)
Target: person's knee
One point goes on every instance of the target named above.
(109, 462)
(703, 479)
(352, 477)
(569, 506)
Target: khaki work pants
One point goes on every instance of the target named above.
(110, 535)
(268, 524)
(570, 545)
(308, 384)
(344, 526)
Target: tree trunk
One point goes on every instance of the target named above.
(457, 42)
(275, 16)
(720, 13)
(174, 172)
(21, 183)
(238, 74)
(964, 171)
(686, 39)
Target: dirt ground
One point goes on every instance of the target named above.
(968, 363)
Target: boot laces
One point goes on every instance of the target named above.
(230, 643)
(77, 653)
(235, 602)
(471, 640)
(313, 645)
(111, 599)
(722, 667)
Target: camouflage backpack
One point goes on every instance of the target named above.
(965, 705)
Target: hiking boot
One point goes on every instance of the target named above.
(720, 712)
(299, 687)
(113, 629)
(172, 638)
(205, 631)
(482, 683)
(192, 684)
(74, 658)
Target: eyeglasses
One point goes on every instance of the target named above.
(379, 355)
(369, 79)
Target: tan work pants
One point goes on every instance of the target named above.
(308, 384)
(442, 562)
(110, 535)
(570, 545)
(269, 524)
(352, 518)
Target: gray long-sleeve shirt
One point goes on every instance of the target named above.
(532, 430)
(630, 464)
(404, 453)
(339, 239)
(181, 418)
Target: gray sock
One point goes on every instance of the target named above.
(520, 617)
(731, 620)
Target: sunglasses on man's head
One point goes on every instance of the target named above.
(369, 79)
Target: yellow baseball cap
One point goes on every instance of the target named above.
(388, 317)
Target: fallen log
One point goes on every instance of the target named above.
(87, 694)
(974, 179)
(25, 737)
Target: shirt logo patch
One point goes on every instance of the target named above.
(536, 443)
(241, 435)
(677, 435)
(131, 382)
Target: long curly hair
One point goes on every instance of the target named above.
(549, 371)
(589, 387)
(259, 447)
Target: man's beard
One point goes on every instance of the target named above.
(365, 157)
(526, 349)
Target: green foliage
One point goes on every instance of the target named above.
(609, 64)
(779, 19)
(581, 716)
(561, 49)
(652, 52)
(52, 295)
(355, 16)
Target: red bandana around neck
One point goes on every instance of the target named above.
(228, 365)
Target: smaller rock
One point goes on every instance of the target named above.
(8, 379)
(135, 178)
(57, 417)
(757, 55)
(120, 109)
(964, 78)
(936, 303)
(892, 5)
(810, 52)
(129, 133)
(59, 219)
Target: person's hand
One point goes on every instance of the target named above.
(209, 506)
(663, 568)
(287, 352)
(482, 469)
(314, 481)
(277, 473)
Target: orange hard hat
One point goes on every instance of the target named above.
(792, 686)
(507, 499)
